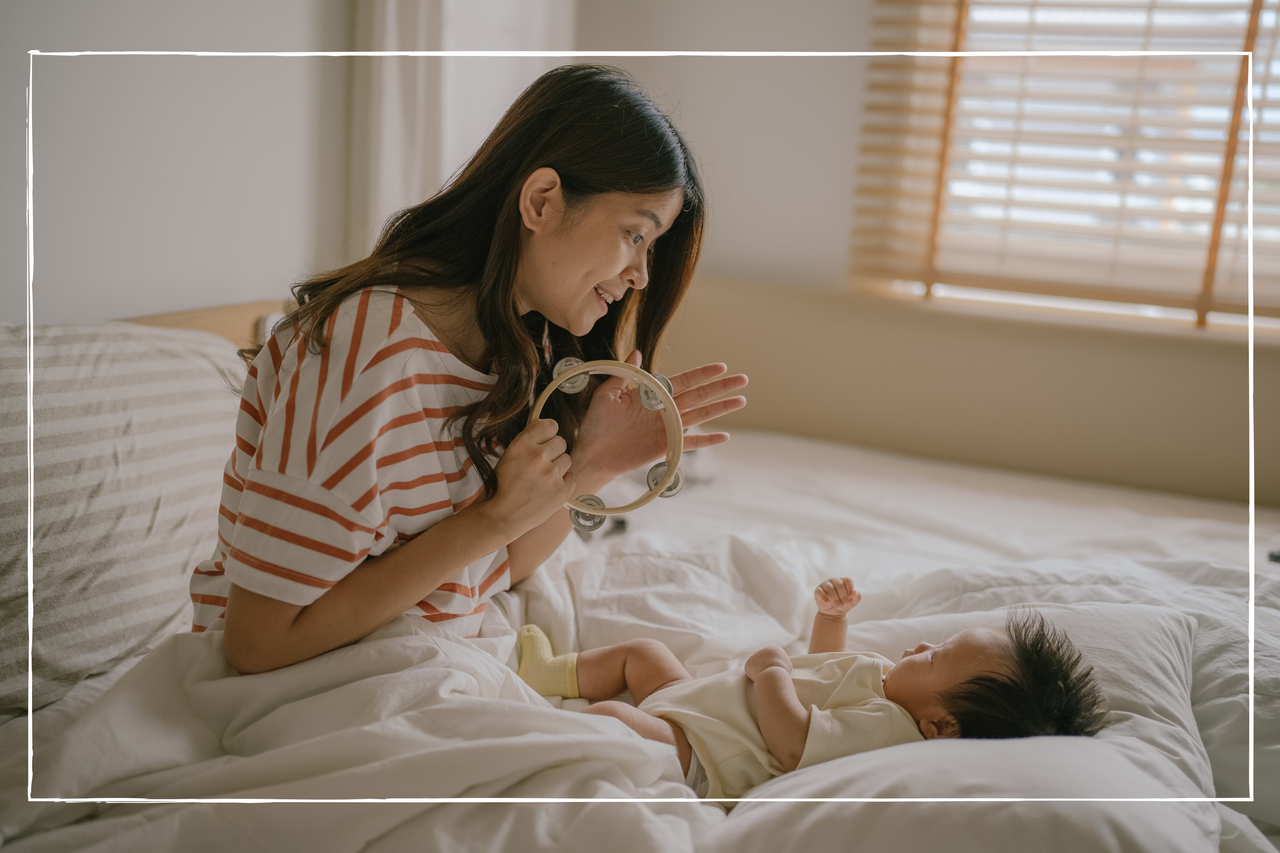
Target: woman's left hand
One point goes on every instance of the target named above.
(619, 434)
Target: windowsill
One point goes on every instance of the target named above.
(1263, 335)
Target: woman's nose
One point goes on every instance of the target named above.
(637, 275)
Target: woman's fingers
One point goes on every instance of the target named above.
(711, 411)
(541, 431)
(682, 382)
(690, 388)
(617, 384)
(699, 440)
(555, 447)
(709, 391)
(563, 467)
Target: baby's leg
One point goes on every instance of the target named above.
(647, 726)
(641, 666)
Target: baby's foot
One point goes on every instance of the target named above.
(550, 676)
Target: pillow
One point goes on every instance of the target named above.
(1141, 656)
(1022, 768)
(133, 426)
(1150, 748)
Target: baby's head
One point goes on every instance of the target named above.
(1024, 681)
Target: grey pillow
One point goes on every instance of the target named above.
(133, 426)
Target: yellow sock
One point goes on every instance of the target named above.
(550, 676)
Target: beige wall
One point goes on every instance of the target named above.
(1156, 409)
(1139, 404)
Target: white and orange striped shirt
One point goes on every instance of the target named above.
(343, 455)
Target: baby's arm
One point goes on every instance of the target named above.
(784, 722)
(835, 598)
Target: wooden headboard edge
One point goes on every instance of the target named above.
(237, 323)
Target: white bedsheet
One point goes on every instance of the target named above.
(407, 713)
(717, 572)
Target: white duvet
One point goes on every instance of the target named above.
(725, 568)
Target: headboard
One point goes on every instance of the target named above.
(241, 324)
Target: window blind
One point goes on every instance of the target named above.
(1099, 177)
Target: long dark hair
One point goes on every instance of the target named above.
(597, 129)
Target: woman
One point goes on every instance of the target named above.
(364, 483)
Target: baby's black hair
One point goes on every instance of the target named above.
(1049, 690)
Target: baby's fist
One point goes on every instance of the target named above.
(836, 597)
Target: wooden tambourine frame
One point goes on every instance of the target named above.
(670, 418)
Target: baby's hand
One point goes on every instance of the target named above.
(836, 597)
(765, 658)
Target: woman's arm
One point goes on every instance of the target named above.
(533, 548)
(264, 633)
(783, 721)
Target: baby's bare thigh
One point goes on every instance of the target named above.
(647, 726)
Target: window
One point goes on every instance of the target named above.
(1116, 178)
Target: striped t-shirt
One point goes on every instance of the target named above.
(342, 455)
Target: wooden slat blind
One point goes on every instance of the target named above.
(1231, 281)
(1088, 176)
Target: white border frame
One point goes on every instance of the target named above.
(620, 54)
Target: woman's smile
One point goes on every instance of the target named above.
(575, 263)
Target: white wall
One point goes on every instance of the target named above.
(477, 91)
(168, 183)
(776, 137)
(416, 120)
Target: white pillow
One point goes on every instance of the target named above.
(1141, 656)
(1150, 748)
(1028, 767)
(133, 426)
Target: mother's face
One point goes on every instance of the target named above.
(574, 264)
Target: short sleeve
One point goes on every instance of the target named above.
(345, 454)
(294, 539)
(314, 503)
(869, 725)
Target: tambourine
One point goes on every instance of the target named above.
(570, 376)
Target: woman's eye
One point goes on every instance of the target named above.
(635, 238)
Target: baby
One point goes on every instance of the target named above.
(737, 729)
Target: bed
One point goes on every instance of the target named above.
(133, 424)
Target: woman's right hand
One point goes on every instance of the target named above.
(534, 479)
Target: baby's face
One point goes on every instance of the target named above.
(926, 671)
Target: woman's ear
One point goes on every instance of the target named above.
(541, 199)
(944, 725)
